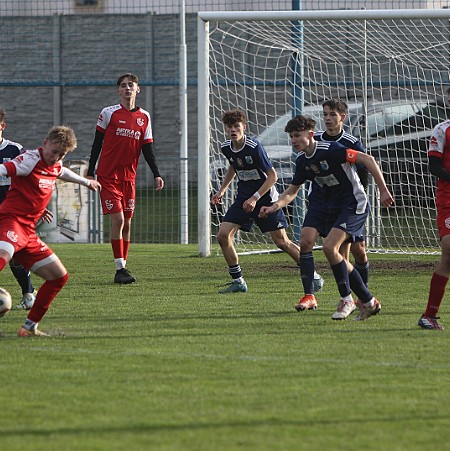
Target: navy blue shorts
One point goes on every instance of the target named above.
(237, 215)
(324, 219)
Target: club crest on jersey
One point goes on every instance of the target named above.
(108, 204)
(249, 159)
(324, 165)
(240, 163)
(447, 223)
(12, 236)
(140, 121)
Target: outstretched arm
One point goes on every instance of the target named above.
(69, 176)
(286, 197)
(372, 166)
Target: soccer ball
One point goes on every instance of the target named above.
(5, 302)
(318, 282)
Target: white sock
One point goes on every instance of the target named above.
(120, 263)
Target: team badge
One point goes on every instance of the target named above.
(249, 159)
(108, 204)
(140, 121)
(447, 223)
(12, 236)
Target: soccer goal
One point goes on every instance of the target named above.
(391, 67)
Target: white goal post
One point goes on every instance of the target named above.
(390, 66)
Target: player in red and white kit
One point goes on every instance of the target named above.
(123, 131)
(33, 179)
(439, 164)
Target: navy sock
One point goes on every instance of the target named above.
(340, 273)
(306, 265)
(22, 276)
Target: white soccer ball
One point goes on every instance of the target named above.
(318, 282)
(5, 302)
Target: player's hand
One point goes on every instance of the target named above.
(216, 199)
(265, 211)
(94, 185)
(249, 205)
(47, 216)
(159, 183)
(386, 199)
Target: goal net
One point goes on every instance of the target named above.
(391, 67)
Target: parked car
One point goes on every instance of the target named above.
(395, 132)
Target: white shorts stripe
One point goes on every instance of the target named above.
(44, 262)
(7, 247)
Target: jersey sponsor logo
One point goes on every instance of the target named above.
(245, 176)
(109, 204)
(46, 184)
(128, 133)
(140, 121)
(328, 180)
(12, 236)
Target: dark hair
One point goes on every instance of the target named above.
(448, 91)
(132, 77)
(230, 117)
(299, 124)
(337, 105)
(2, 115)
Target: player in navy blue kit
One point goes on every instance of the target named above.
(336, 211)
(256, 188)
(8, 151)
(334, 114)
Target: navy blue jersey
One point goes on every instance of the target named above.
(335, 181)
(352, 142)
(251, 165)
(8, 151)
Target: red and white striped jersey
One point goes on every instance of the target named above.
(32, 185)
(125, 132)
(440, 147)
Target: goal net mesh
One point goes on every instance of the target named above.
(392, 73)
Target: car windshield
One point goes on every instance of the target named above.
(274, 134)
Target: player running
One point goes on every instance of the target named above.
(34, 175)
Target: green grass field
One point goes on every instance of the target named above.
(168, 364)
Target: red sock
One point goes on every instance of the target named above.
(437, 290)
(48, 291)
(126, 246)
(117, 247)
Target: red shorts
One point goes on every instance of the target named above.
(21, 241)
(117, 196)
(443, 221)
